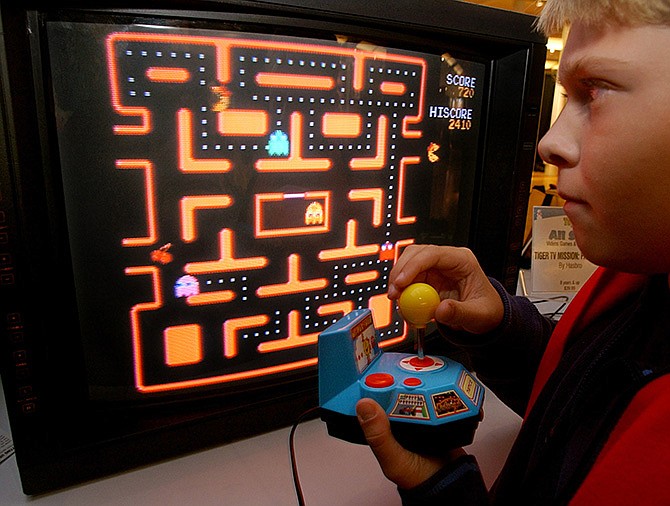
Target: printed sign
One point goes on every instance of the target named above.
(557, 263)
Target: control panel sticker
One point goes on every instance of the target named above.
(365, 349)
(410, 406)
(448, 403)
(470, 387)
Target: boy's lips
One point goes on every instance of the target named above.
(573, 205)
(575, 209)
(570, 198)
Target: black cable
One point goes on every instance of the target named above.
(294, 465)
(558, 311)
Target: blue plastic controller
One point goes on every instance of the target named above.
(434, 404)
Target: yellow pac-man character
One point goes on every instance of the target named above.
(223, 98)
(432, 148)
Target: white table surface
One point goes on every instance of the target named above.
(257, 471)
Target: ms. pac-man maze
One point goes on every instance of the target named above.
(277, 180)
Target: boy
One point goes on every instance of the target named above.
(594, 390)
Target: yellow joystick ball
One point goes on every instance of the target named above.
(418, 303)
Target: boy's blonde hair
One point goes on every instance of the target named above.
(559, 13)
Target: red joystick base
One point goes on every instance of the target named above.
(414, 364)
(422, 362)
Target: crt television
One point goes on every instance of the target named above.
(190, 191)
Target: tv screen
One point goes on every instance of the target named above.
(229, 195)
(192, 192)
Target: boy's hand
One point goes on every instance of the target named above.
(402, 467)
(469, 301)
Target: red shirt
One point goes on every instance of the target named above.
(634, 466)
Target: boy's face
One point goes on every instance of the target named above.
(611, 143)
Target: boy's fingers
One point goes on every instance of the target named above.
(391, 456)
(376, 427)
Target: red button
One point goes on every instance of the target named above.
(412, 382)
(379, 380)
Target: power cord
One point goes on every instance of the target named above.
(558, 312)
(294, 465)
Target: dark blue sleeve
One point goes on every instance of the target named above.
(460, 483)
(507, 358)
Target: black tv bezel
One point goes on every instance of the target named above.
(34, 228)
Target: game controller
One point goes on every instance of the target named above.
(433, 403)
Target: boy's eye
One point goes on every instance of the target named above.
(584, 90)
(591, 90)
